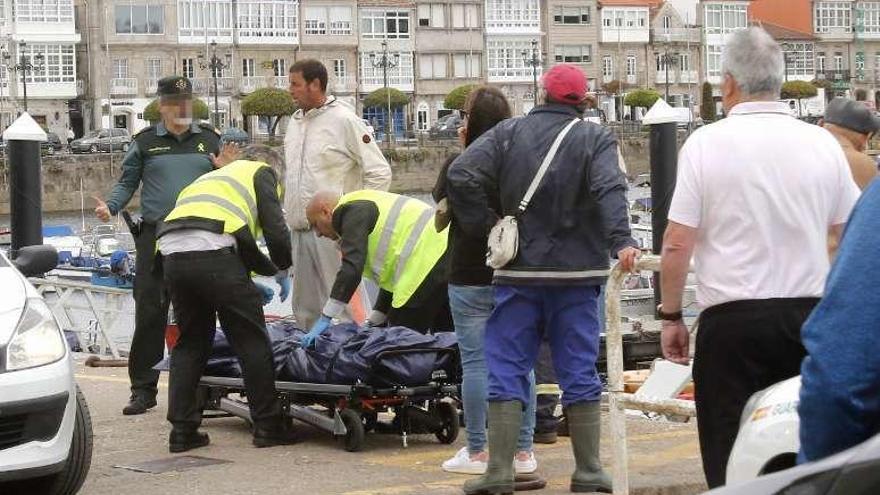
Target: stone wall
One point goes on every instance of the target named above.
(414, 169)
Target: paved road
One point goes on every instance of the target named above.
(664, 457)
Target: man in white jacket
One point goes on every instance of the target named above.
(327, 148)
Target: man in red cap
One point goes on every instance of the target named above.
(549, 290)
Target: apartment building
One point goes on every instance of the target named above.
(449, 47)
(42, 35)
(515, 55)
(130, 46)
(676, 48)
(386, 48)
(720, 18)
(624, 37)
(572, 36)
(330, 34)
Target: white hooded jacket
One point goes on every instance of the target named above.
(329, 149)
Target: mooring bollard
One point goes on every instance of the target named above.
(664, 163)
(23, 140)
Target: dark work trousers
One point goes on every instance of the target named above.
(150, 316)
(428, 307)
(545, 376)
(742, 347)
(205, 285)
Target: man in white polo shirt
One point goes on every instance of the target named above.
(756, 197)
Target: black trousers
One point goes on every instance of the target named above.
(150, 316)
(428, 308)
(206, 285)
(742, 347)
(546, 420)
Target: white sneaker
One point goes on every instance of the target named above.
(527, 466)
(461, 463)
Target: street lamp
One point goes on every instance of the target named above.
(24, 66)
(532, 60)
(385, 62)
(667, 59)
(217, 66)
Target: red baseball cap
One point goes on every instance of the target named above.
(566, 83)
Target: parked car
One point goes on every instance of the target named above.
(446, 127)
(102, 140)
(768, 433)
(48, 147)
(45, 426)
(855, 471)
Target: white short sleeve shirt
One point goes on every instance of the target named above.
(762, 189)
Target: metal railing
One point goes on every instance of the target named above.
(103, 314)
(618, 400)
(152, 86)
(124, 86)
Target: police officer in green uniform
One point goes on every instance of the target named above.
(164, 159)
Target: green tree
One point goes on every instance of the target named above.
(707, 104)
(798, 90)
(457, 97)
(200, 111)
(268, 102)
(644, 98)
(379, 98)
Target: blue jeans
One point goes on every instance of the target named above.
(523, 314)
(471, 307)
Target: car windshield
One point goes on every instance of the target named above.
(93, 134)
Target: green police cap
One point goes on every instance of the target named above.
(175, 86)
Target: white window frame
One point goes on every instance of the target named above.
(684, 62)
(562, 14)
(833, 16)
(801, 57)
(119, 68)
(279, 67)
(838, 61)
(205, 18)
(725, 18)
(151, 13)
(43, 11)
(153, 68)
(472, 63)
(513, 14)
(248, 67)
(434, 66)
(340, 20)
(821, 65)
(58, 66)
(505, 59)
(340, 68)
(315, 20)
(713, 60)
(607, 66)
(268, 20)
(188, 67)
(401, 75)
(573, 54)
(381, 18)
(431, 15)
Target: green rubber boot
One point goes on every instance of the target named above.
(505, 419)
(583, 424)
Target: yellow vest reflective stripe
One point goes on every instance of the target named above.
(403, 246)
(226, 194)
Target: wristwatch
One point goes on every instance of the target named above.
(668, 316)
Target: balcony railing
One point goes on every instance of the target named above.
(632, 79)
(248, 85)
(280, 82)
(152, 86)
(124, 86)
(661, 76)
(835, 75)
(688, 77)
(344, 84)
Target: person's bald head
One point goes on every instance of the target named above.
(319, 213)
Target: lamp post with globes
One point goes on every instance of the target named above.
(25, 67)
(217, 65)
(531, 59)
(385, 62)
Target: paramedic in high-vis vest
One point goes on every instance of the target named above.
(391, 240)
(208, 245)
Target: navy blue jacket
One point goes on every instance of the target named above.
(579, 214)
(840, 377)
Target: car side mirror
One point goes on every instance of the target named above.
(35, 260)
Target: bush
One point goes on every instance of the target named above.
(798, 90)
(456, 98)
(268, 102)
(200, 111)
(707, 104)
(641, 98)
(379, 98)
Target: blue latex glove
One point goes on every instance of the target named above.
(283, 281)
(317, 329)
(266, 292)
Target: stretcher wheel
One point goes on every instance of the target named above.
(448, 414)
(354, 438)
(370, 420)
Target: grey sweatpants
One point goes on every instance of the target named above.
(316, 262)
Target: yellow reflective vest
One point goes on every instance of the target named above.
(403, 246)
(226, 194)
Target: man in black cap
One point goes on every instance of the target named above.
(165, 158)
(853, 124)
